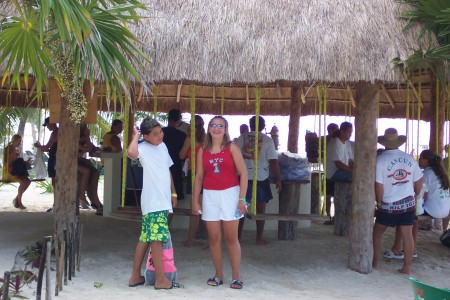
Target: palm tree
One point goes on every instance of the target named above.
(432, 58)
(71, 42)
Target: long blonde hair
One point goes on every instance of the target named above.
(226, 137)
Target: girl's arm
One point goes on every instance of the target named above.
(198, 183)
(243, 175)
(132, 150)
(185, 148)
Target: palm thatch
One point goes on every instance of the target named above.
(226, 48)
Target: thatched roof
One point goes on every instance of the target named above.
(253, 41)
(226, 48)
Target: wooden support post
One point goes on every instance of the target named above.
(289, 198)
(315, 197)
(294, 119)
(60, 267)
(342, 207)
(66, 256)
(41, 269)
(7, 279)
(48, 281)
(437, 116)
(363, 192)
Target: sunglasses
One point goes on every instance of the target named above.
(220, 126)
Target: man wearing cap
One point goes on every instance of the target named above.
(51, 148)
(398, 182)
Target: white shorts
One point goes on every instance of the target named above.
(220, 204)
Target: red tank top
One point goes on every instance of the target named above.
(220, 171)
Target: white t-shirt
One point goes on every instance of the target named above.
(337, 151)
(437, 203)
(156, 192)
(397, 171)
(266, 152)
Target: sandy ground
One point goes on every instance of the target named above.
(314, 266)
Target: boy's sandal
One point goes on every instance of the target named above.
(236, 284)
(214, 281)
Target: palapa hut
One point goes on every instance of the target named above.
(228, 48)
(232, 51)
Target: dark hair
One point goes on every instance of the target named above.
(226, 136)
(345, 126)
(148, 124)
(116, 122)
(199, 129)
(435, 163)
(332, 126)
(174, 115)
(262, 123)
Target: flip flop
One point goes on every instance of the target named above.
(214, 281)
(236, 284)
(175, 285)
(142, 282)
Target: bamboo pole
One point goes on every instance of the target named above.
(48, 281)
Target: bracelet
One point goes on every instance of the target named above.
(243, 199)
(174, 195)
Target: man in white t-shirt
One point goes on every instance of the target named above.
(398, 183)
(157, 199)
(267, 158)
(340, 155)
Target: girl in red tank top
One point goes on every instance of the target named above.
(218, 164)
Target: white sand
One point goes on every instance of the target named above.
(314, 266)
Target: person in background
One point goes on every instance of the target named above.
(174, 140)
(333, 131)
(340, 154)
(267, 159)
(186, 152)
(89, 173)
(51, 147)
(111, 141)
(219, 163)
(157, 200)
(11, 153)
(398, 182)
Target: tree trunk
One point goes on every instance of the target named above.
(294, 120)
(66, 172)
(363, 191)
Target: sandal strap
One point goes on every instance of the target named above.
(217, 280)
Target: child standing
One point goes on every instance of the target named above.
(157, 199)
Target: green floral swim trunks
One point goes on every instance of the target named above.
(155, 227)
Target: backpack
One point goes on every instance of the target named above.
(445, 238)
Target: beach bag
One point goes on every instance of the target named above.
(445, 238)
(39, 165)
(19, 168)
(168, 263)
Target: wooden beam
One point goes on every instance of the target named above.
(350, 94)
(33, 87)
(302, 95)
(416, 94)
(179, 92)
(388, 96)
(141, 92)
(247, 96)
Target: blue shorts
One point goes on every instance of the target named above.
(263, 192)
(394, 220)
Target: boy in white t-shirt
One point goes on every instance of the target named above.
(157, 199)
